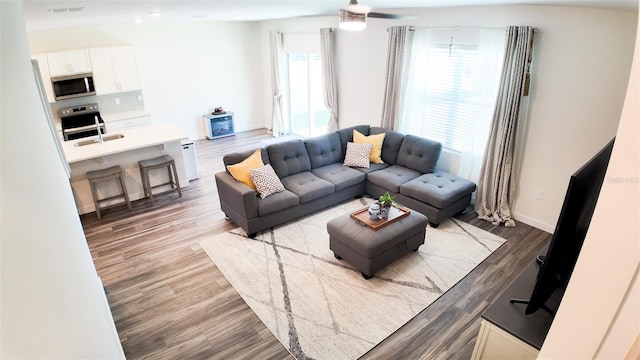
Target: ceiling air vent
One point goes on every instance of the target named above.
(65, 10)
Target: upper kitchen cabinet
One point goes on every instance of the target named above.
(70, 62)
(114, 69)
(43, 65)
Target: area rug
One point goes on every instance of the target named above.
(322, 308)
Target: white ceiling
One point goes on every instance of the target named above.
(38, 14)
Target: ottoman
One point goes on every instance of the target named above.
(370, 250)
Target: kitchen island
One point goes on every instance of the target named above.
(125, 148)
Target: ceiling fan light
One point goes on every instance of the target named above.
(351, 21)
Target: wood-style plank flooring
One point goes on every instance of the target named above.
(170, 301)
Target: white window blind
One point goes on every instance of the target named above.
(452, 87)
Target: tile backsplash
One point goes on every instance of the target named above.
(108, 104)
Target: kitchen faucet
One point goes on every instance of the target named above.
(99, 131)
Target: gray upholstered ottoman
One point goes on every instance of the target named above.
(368, 250)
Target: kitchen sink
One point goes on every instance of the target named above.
(97, 140)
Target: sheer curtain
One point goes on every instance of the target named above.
(496, 187)
(277, 84)
(452, 86)
(398, 54)
(329, 82)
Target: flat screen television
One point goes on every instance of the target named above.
(571, 229)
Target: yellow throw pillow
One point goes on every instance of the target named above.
(241, 170)
(375, 141)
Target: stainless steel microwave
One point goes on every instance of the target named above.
(73, 86)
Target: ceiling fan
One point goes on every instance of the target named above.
(353, 16)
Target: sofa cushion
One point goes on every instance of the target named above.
(419, 154)
(266, 181)
(289, 158)
(392, 142)
(392, 177)
(242, 170)
(346, 135)
(308, 186)
(376, 144)
(357, 155)
(438, 189)
(340, 176)
(324, 150)
(372, 168)
(277, 202)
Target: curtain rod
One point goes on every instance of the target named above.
(414, 28)
(302, 31)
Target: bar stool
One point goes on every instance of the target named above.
(114, 172)
(160, 162)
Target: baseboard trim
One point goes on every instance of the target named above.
(534, 222)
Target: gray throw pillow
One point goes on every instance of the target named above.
(266, 181)
(357, 155)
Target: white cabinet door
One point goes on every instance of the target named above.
(114, 69)
(44, 73)
(69, 62)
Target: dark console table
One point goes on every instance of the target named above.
(505, 332)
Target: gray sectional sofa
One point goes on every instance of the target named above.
(314, 178)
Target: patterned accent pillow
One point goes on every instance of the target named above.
(266, 181)
(357, 155)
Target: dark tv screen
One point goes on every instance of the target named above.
(571, 229)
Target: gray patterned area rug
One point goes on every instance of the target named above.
(320, 307)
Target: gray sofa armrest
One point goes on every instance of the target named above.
(237, 195)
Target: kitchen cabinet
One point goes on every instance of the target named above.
(69, 62)
(43, 64)
(114, 69)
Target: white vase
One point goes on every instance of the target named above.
(374, 211)
(384, 211)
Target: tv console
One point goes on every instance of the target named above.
(505, 331)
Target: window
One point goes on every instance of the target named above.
(308, 114)
(452, 88)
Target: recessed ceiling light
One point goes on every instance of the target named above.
(155, 13)
(64, 10)
(237, 17)
(137, 21)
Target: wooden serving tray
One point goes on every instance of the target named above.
(362, 216)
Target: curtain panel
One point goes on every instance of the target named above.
(398, 54)
(277, 72)
(329, 76)
(496, 187)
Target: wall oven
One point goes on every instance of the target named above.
(73, 86)
(80, 121)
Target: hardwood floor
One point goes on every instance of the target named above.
(169, 300)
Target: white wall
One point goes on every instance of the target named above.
(186, 69)
(600, 314)
(53, 304)
(581, 64)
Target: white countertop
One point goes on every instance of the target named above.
(135, 138)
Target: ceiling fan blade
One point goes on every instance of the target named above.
(386, 16)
